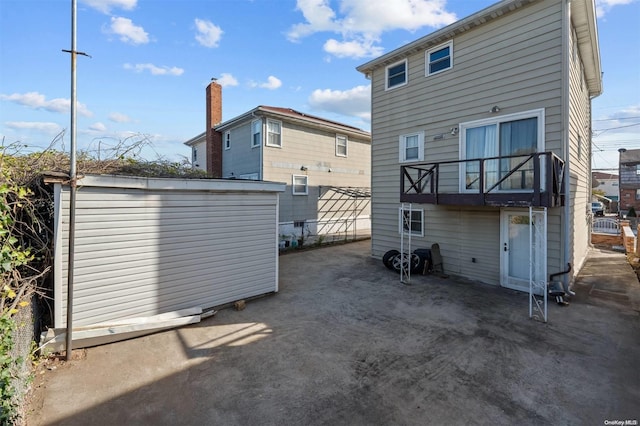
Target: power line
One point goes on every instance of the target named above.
(617, 119)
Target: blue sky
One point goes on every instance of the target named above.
(152, 59)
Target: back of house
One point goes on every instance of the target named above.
(481, 141)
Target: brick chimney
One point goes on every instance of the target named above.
(214, 139)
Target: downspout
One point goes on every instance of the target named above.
(566, 31)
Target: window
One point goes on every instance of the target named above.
(413, 220)
(227, 140)
(396, 74)
(439, 59)
(341, 146)
(256, 133)
(510, 135)
(195, 154)
(637, 194)
(273, 133)
(412, 147)
(638, 169)
(300, 185)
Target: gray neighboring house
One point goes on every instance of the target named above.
(326, 165)
(484, 127)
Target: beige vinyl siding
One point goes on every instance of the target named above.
(579, 130)
(513, 62)
(241, 158)
(141, 252)
(315, 150)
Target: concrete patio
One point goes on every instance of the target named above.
(344, 343)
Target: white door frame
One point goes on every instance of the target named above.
(520, 283)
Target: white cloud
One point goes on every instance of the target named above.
(98, 127)
(352, 49)
(105, 6)
(155, 70)
(208, 34)
(37, 100)
(46, 127)
(272, 83)
(227, 80)
(361, 22)
(604, 6)
(354, 102)
(128, 32)
(117, 117)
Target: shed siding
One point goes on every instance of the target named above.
(141, 252)
(513, 62)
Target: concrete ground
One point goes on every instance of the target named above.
(344, 343)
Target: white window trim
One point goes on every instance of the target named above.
(252, 133)
(439, 47)
(403, 149)
(406, 75)
(538, 113)
(267, 138)
(413, 233)
(346, 145)
(227, 140)
(293, 185)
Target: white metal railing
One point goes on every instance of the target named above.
(606, 225)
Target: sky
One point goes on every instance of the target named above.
(143, 82)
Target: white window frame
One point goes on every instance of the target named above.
(402, 148)
(227, 140)
(340, 138)
(427, 68)
(253, 133)
(269, 132)
(401, 227)
(535, 113)
(293, 184)
(406, 75)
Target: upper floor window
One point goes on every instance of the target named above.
(396, 74)
(638, 169)
(439, 59)
(341, 146)
(274, 137)
(195, 154)
(227, 140)
(515, 136)
(256, 133)
(300, 185)
(411, 147)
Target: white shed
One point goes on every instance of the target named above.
(146, 246)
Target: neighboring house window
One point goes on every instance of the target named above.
(413, 220)
(396, 74)
(195, 154)
(439, 59)
(509, 135)
(300, 185)
(637, 194)
(341, 146)
(227, 140)
(274, 136)
(412, 147)
(638, 169)
(256, 133)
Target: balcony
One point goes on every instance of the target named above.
(535, 180)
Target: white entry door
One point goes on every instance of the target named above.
(519, 244)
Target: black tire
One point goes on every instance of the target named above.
(387, 259)
(416, 263)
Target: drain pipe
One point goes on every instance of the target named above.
(566, 29)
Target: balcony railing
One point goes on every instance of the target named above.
(520, 180)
